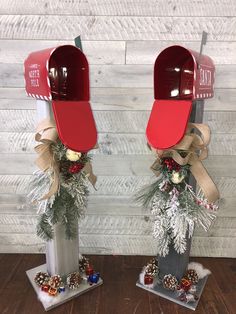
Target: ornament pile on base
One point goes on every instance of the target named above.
(54, 285)
(185, 289)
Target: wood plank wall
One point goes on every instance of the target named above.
(121, 40)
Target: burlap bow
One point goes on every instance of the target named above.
(46, 134)
(192, 150)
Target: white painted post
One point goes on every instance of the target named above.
(62, 255)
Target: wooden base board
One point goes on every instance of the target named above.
(51, 302)
(173, 296)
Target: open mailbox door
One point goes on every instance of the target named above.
(61, 75)
(178, 81)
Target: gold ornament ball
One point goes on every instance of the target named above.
(176, 177)
(72, 155)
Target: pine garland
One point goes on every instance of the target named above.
(175, 208)
(70, 202)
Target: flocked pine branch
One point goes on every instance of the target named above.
(70, 201)
(145, 196)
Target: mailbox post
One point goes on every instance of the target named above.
(180, 86)
(58, 78)
(182, 80)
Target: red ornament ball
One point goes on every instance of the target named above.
(75, 168)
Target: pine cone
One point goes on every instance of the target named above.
(83, 264)
(170, 282)
(192, 276)
(74, 280)
(152, 268)
(41, 278)
(55, 281)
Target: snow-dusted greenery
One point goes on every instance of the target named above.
(176, 210)
(68, 204)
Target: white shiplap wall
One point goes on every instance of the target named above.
(121, 40)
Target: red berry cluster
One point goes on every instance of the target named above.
(75, 168)
(171, 164)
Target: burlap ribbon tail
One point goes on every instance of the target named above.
(46, 135)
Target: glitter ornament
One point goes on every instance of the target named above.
(74, 280)
(55, 281)
(41, 278)
(170, 282)
(72, 155)
(93, 278)
(61, 289)
(192, 275)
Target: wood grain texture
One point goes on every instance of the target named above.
(121, 40)
(117, 244)
(112, 224)
(115, 144)
(114, 7)
(146, 52)
(113, 204)
(113, 52)
(116, 27)
(125, 186)
(123, 165)
(118, 121)
(97, 52)
(119, 272)
(118, 99)
(114, 76)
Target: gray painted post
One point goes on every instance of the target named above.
(62, 255)
(174, 263)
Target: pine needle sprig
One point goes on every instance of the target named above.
(44, 228)
(145, 196)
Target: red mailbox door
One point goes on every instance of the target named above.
(62, 74)
(167, 122)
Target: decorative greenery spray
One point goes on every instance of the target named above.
(175, 208)
(70, 202)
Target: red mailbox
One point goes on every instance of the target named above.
(61, 75)
(180, 77)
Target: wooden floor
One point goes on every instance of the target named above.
(118, 294)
